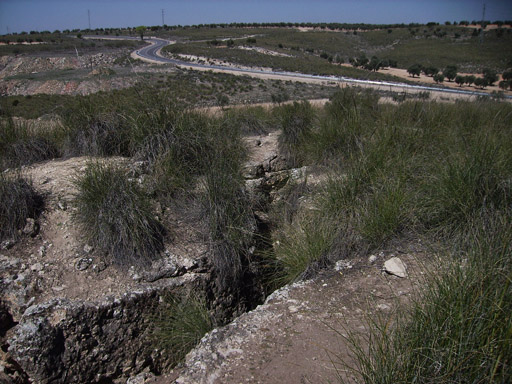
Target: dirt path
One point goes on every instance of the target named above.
(293, 337)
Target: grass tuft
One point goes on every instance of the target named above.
(116, 215)
(23, 144)
(458, 329)
(18, 202)
(180, 325)
(296, 124)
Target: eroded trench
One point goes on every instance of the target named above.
(54, 338)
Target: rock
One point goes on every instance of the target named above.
(161, 269)
(136, 277)
(74, 341)
(100, 266)
(62, 205)
(383, 307)
(342, 264)
(31, 228)
(88, 249)
(36, 267)
(253, 171)
(141, 378)
(8, 244)
(395, 266)
(42, 250)
(372, 259)
(83, 263)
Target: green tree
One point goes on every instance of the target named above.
(450, 72)
(140, 31)
(430, 71)
(490, 75)
(505, 84)
(460, 80)
(507, 75)
(374, 64)
(481, 82)
(414, 70)
(438, 77)
(470, 79)
(361, 61)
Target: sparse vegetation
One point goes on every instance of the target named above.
(390, 181)
(386, 174)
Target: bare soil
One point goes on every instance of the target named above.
(300, 334)
(57, 262)
(402, 73)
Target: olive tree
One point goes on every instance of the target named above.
(414, 70)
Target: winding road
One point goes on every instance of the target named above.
(151, 53)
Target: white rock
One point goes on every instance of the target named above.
(372, 259)
(36, 267)
(383, 307)
(342, 264)
(395, 266)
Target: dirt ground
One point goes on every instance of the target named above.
(402, 73)
(300, 334)
(57, 262)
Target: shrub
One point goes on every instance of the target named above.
(458, 327)
(296, 123)
(116, 215)
(464, 184)
(383, 214)
(348, 114)
(174, 145)
(180, 325)
(227, 205)
(304, 244)
(18, 202)
(96, 127)
(23, 144)
(250, 120)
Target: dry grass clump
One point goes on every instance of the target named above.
(116, 215)
(18, 202)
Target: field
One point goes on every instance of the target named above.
(146, 170)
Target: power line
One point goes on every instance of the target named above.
(482, 26)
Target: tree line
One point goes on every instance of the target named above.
(489, 76)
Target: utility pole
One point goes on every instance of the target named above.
(482, 26)
(89, 18)
(163, 22)
(7, 29)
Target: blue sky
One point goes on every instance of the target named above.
(27, 15)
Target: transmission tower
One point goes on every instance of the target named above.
(89, 18)
(482, 25)
(163, 13)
